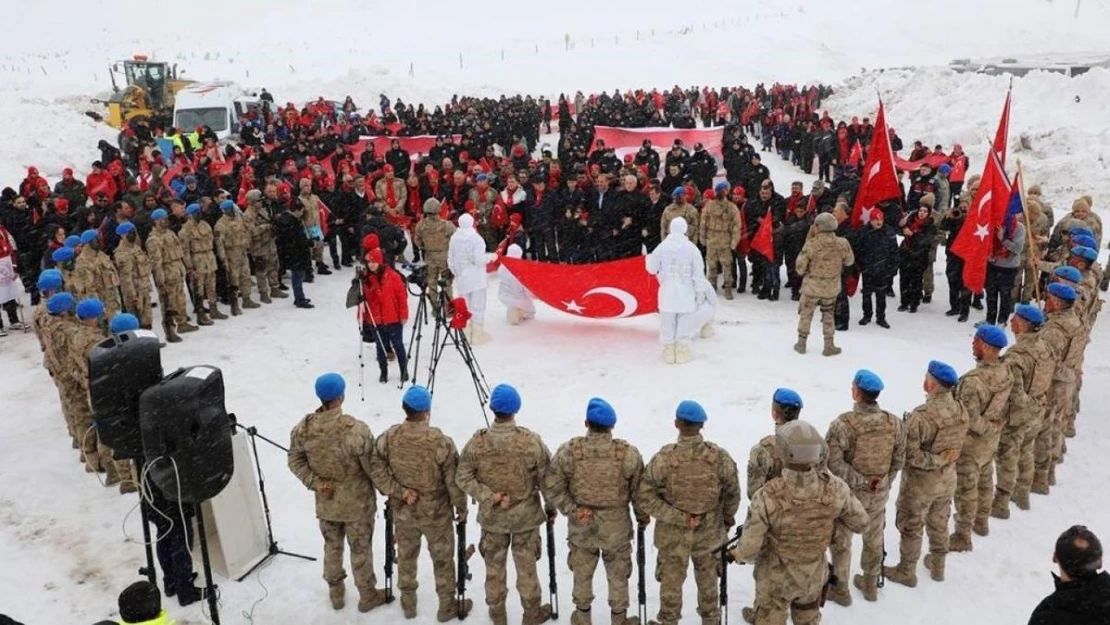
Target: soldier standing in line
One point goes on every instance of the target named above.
(1032, 366)
(503, 468)
(790, 525)
(692, 489)
(719, 234)
(985, 394)
(417, 472)
(592, 481)
(680, 208)
(52, 333)
(935, 434)
(233, 240)
(764, 461)
(332, 454)
(84, 279)
(263, 250)
(1065, 335)
(820, 264)
(133, 266)
(432, 236)
(200, 260)
(867, 449)
(168, 263)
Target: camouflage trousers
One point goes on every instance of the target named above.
(779, 594)
(265, 273)
(204, 286)
(360, 537)
(1008, 457)
(171, 297)
(924, 502)
(441, 546)
(1048, 449)
(928, 279)
(239, 273)
(717, 258)
(677, 548)
(97, 455)
(871, 556)
(975, 481)
(1027, 457)
(618, 569)
(110, 297)
(66, 406)
(526, 553)
(437, 268)
(140, 307)
(808, 306)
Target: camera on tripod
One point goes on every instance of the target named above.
(418, 275)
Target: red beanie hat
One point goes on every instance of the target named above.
(370, 242)
(375, 256)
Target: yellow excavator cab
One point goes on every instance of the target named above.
(149, 90)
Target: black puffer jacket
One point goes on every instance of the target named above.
(1084, 601)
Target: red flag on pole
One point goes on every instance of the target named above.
(977, 235)
(879, 180)
(855, 157)
(764, 241)
(1001, 136)
(325, 213)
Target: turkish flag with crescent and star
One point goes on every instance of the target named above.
(621, 288)
(974, 242)
(879, 180)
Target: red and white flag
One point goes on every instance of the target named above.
(1001, 136)
(976, 238)
(878, 180)
(764, 240)
(621, 288)
(856, 155)
(325, 214)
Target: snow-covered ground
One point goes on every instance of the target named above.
(63, 537)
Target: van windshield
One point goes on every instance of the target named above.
(189, 119)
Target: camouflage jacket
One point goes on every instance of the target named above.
(507, 459)
(337, 448)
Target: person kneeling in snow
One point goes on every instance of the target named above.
(517, 300)
(678, 265)
(466, 258)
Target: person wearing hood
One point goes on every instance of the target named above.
(466, 258)
(519, 306)
(679, 267)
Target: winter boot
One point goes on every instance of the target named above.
(249, 303)
(1021, 499)
(869, 585)
(92, 462)
(171, 333)
(707, 330)
(865, 320)
(839, 594)
(881, 322)
(748, 614)
(728, 292)
(1052, 475)
(927, 298)
(1040, 483)
(774, 295)
(904, 574)
(128, 486)
(408, 603)
(959, 542)
(1000, 507)
(497, 614)
(977, 302)
(235, 309)
(669, 353)
(370, 599)
(800, 346)
(581, 617)
(515, 316)
(683, 354)
(449, 609)
(481, 337)
(265, 299)
(830, 348)
(621, 618)
(537, 615)
(935, 563)
(202, 319)
(384, 377)
(323, 270)
(335, 593)
(185, 326)
(404, 372)
(214, 311)
(112, 476)
(278, 293)
(981, 527)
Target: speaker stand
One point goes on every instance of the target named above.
(209, 587)
(147, 571)
(273, 549)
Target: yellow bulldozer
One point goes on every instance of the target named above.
(149, 90)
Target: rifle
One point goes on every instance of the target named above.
(882, 572)
(641, 589)
(462, 573)
(553, 585)
(830, 581)
(726, 557)
(390, 552)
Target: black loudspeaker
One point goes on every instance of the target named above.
(120, 369)
(184, 422)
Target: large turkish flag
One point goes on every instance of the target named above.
(621, 288)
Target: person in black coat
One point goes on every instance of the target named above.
(294, 249)
(1082, 595)
(918, 232)
(755, 175)
(539, 221)
(399, 158)
(959, 298)
(658, 202)
(765, 274)
(629, 210)
(648, 156)
(702, 167)
(22, 222)
(877, 255)
(846, 184)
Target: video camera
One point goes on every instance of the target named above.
(418, 273)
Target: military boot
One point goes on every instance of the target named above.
(92, 462)
(981, 527)
(935, 563)
(748, 614)
(249, 303)
(127, 487)
(869, 584)
(537, 615)
(497, 614)
(370, 599)
(959, 542)
(408, 603)
(1052, 475)
(728, 292)
(233, 298)
(1000, 507)
(171, 333)
(449, 609)
(185, 326)
(839, 594)
(335, 593)
(214, 311)
(830, 348)
(202, 319)
(904, 574)
(800, 346)
(1021, 499)
(265, 299)
(278, 293)
(111, 475)
(622, 618)
(581, 617)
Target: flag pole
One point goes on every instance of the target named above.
(1029, 241)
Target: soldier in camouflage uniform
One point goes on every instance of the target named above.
(45, 321)
(592, 481)
(692, 489)
(503, 468)
(790, 525)
(133, 266)
(719, 234)
(1065, 335)
(867, 449)
(168, 264)
(935, 434)
(88, 278)
(985, 393)
(1032, 366)
(432, 236)
(263, 250)
(764, 462)
(820, 263)
(680, 208)
(198, 242)
(233, 241)
(332, 454)
(417, 472)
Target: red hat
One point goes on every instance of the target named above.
(67, 172)
(708, 194)
(469, 206)
(628, 158)
(518, 150)
(375, 256)
(516, 219)
(388, 169)
(738, 191)
(61, 205)
(464, 156)
(32, 171)
(370, 242)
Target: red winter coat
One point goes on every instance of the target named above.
(386, 298)
(102, 182)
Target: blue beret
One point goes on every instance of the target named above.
(192, 208)
(227, 205)
(1085, 241)
(123, 322)
(1082, 231)
(868, 381)
(1086, 253)
(190, 179)
(62, 254)
(504, 399)
(124, 228)
(417, 398)
(721, 186)
(59, 303)
(943, 372)
(88, 236)
(50, 280)
(992, 335)
(600, 413)
(679, 190)
(330, 386)
(787, 397)
(1067, 272)
(480, 178)
(90, 308)
(690, 411)
(158, 213)
(1062, 292)
(1030, 313)
(73, 241)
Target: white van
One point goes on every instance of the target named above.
(218, 105)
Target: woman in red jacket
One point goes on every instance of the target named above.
(384, 311)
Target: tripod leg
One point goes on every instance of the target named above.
(150, 572)
(209, 588)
